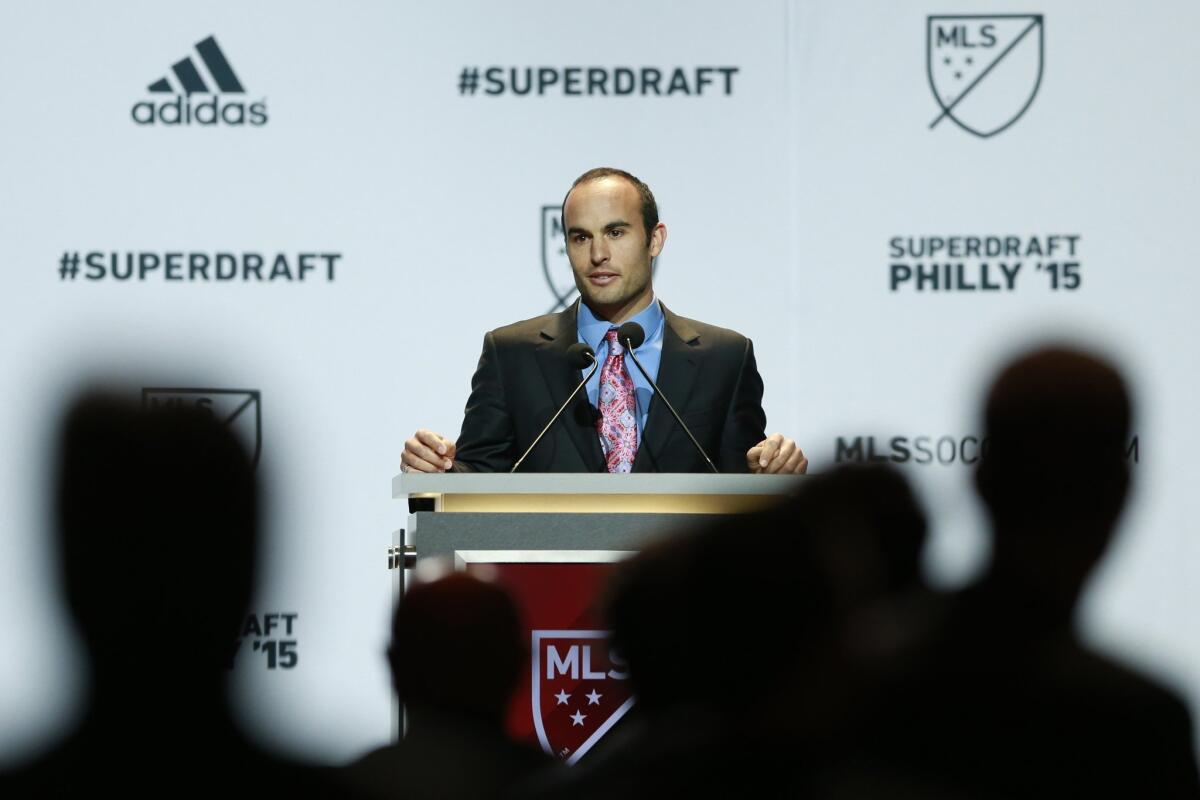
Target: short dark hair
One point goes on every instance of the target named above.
(162, 503)
(457, 646)
(649, 206)
(1057, 422)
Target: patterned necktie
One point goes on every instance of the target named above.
(617, 424)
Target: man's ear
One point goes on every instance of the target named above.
(658, 238)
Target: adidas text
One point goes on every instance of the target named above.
(182, 111)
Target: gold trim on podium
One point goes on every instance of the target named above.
(602, 503)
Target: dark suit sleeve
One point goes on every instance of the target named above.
(746, 422)
(487, 441)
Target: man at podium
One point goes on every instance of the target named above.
(624, 423)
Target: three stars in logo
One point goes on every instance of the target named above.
(984, 69)
(578, 717)
(579, 692)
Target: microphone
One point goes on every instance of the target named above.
(632, 335)
(579, 355)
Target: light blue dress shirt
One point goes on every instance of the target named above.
(592, 331)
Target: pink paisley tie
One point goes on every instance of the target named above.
(617, 424)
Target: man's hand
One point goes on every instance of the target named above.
(427, 451)
(776, 454)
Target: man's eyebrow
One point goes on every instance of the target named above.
(618, 223)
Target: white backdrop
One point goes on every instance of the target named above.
(783, 181)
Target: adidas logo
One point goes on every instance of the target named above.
(186, 79)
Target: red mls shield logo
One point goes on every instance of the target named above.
(579, 690)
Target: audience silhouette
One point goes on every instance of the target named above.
(819, 666)
(827, 668)
(157, 523)
(737, 661)
(1004, 699)
(707, 640)
(455, 655)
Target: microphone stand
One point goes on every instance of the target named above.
(629, 349)
(561, 409)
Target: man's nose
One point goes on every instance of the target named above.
(599, 250)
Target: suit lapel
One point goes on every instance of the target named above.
(677, 371)
(553, 340)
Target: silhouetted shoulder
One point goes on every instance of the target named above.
(85, 767)
(1157, 711)
(446, 764)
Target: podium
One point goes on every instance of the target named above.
(454, 511)
(552, 540)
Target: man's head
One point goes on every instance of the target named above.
(867, 529)
(613, 233)
(1054, 475)
(665, 617)
(157, 522)
(456, 648)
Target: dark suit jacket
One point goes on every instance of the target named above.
(708, 373)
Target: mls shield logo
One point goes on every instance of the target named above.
(555, 264)
(984, 70)
(579, 690)
(239, 409)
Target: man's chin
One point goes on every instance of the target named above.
(597, 300)
(606, 304)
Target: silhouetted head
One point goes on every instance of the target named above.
(867, 527)
(1054, 475)
(742, 596)
(457, 647)
(157, 521)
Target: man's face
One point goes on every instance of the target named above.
(608, 247)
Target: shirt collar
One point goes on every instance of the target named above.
(592, 328)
